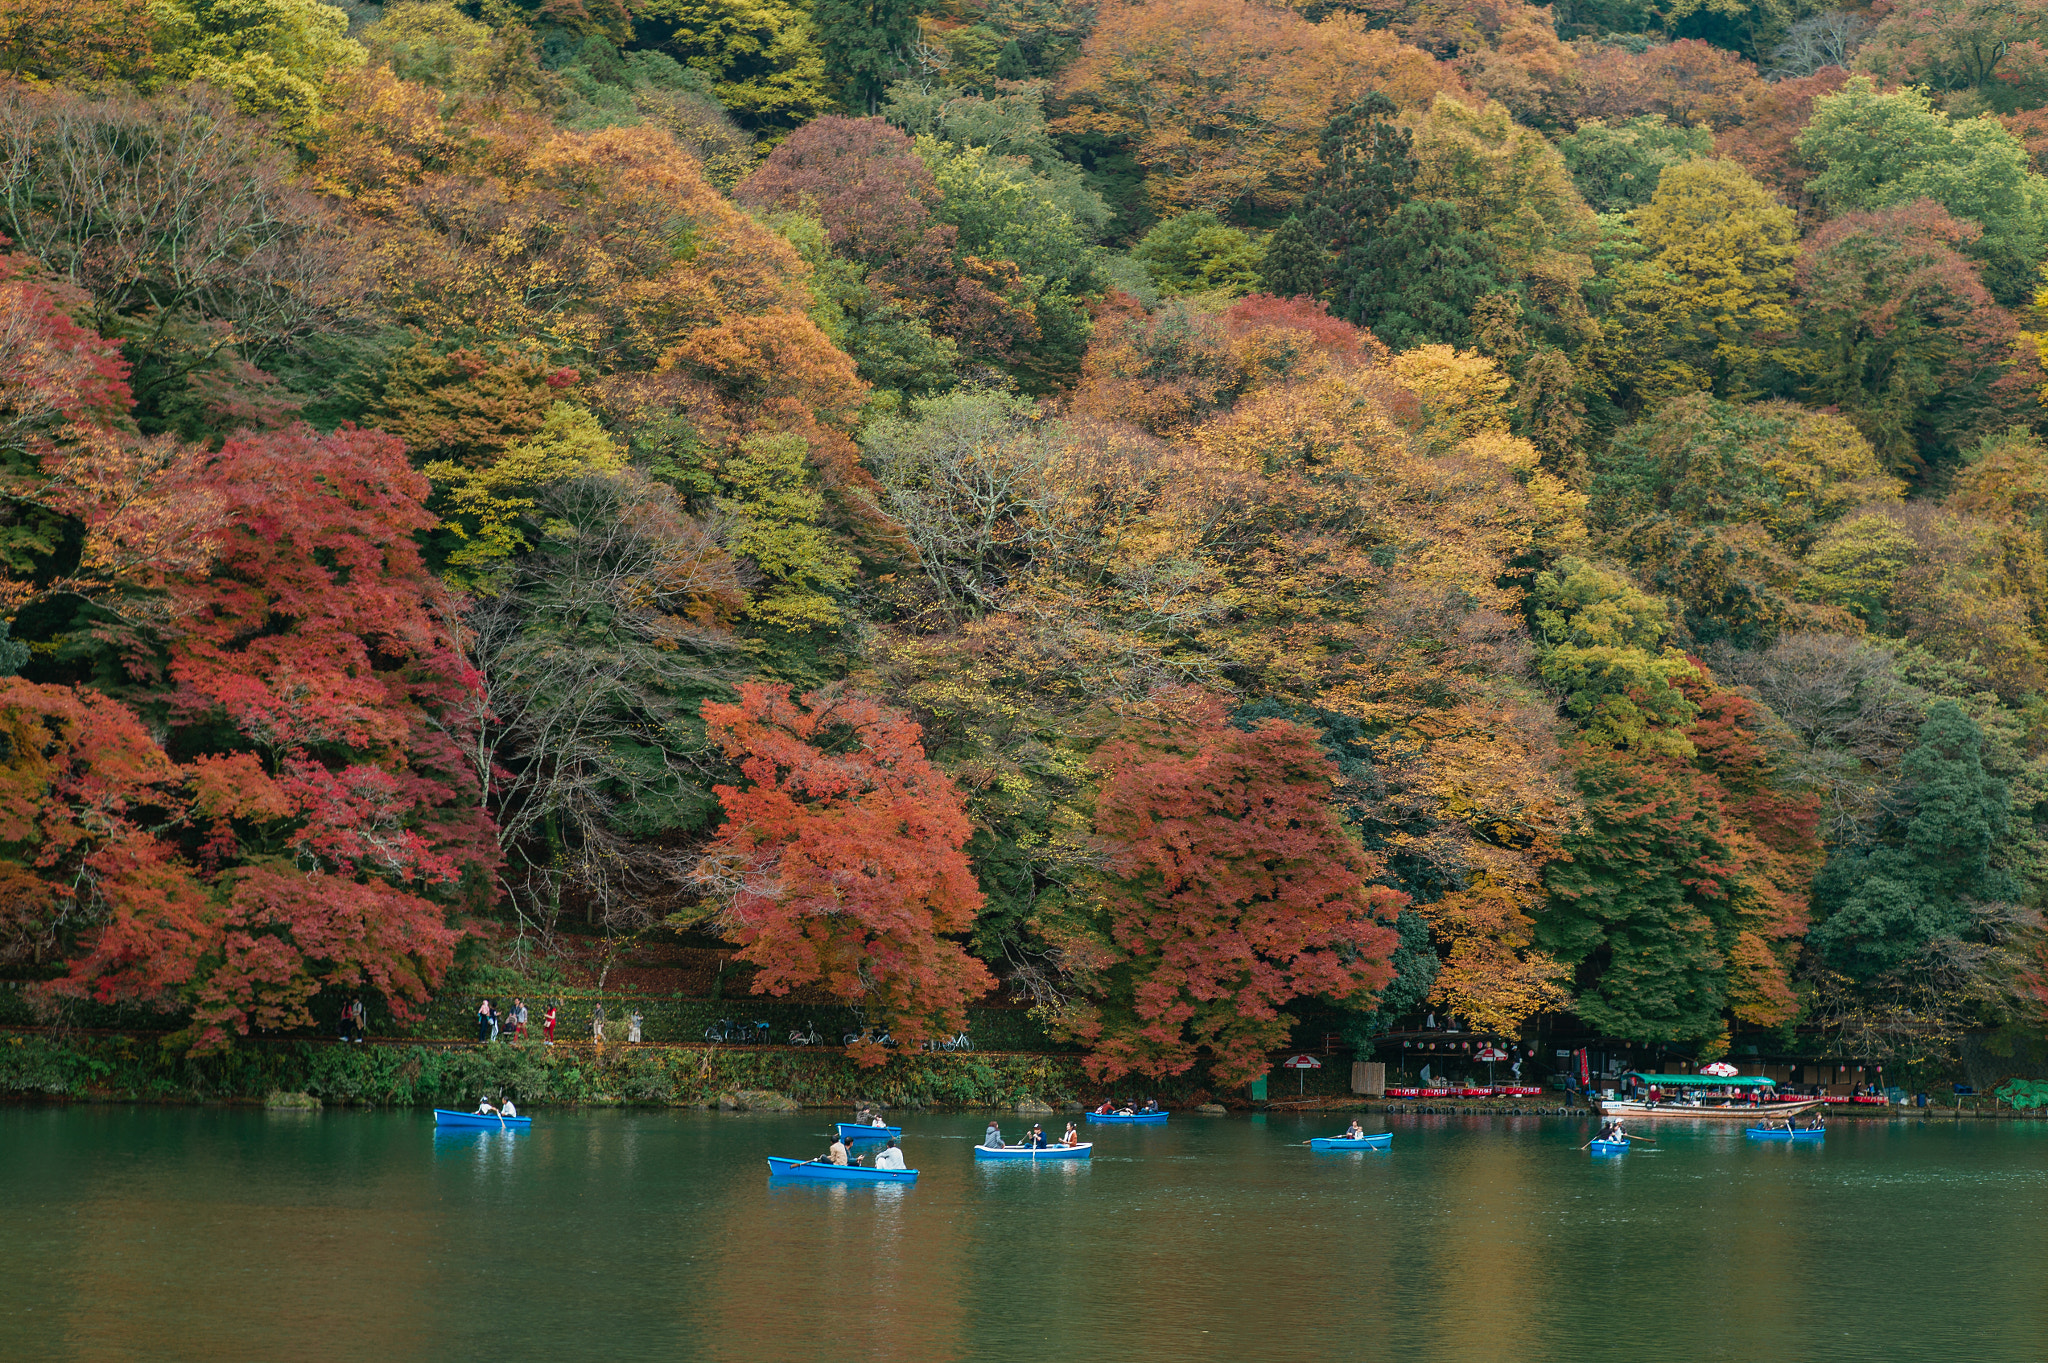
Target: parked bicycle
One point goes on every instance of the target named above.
(881, 1038)
(725, 1029)
(960, 1042)
(808, 1036)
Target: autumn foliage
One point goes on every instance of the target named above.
(1229, 889)
(842, 859)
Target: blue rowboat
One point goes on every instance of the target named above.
(481, 1120)
(1127, 1116)
(1080, 1151)
(852, 1131)
(1610, 1147)
(1379, 1140)
(1764, 1133)
(837, 1173)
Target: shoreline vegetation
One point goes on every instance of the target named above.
(411, 1073)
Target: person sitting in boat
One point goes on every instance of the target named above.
(889, 1157)
(506, 1109)
(1354, 1132)
(484, 1108)
(837, 1154)
(1036, 1140)
(993, 1137)
(1073, 1136)
(1151, 1105)
(1106, 1108)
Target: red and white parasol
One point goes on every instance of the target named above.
(1720, 1069)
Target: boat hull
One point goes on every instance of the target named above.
(1609, 1147)
(1760, 1134)
(1665, 1112)
(851, 1132)
(1378, 1141)
(1081, 1151)
(836, 1173)
(1127, 1117)
(479, 1121)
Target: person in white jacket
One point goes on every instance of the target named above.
(889, 1157)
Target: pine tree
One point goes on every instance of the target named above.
(863, 42)
(1367, 170)
(1885, 903)
(1011, 63)
(1416, 282)
(1297, 265)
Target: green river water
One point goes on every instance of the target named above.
(193, 1233)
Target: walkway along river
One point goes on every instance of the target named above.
(210, 1233)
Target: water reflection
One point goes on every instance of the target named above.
(151, 1233)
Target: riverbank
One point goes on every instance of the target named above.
(122, 1068)
(134, 1068)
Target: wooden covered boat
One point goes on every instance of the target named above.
(1609, 1147)
(1766, 1134)
(1032, 1152)
(1378, 1140)
(1706, 1098)
(1127, 1116)
(481, 1121)
(854, 1131)
(836, 1173)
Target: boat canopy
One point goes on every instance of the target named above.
(1733, 1081)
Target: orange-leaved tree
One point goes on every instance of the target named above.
(1229, 889)
(841, 861)
(1223, 101)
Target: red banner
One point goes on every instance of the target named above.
(1585, 1072)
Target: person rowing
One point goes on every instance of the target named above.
(837, 1154)
(1354, 1132)
(484, 1108)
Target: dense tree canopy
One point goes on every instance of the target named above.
(1196, 518)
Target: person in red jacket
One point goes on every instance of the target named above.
(550, 1021)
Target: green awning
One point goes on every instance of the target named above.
(1734, 1081)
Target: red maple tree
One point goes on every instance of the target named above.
(1230, 889)
(842, 856)
(312, 834)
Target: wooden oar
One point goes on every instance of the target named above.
(1631, 1136)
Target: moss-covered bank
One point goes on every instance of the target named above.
(119, 1068)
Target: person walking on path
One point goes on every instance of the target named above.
(633, 1026)
(519, 1019)
(483, 1021)
(494, 1025)
(355, 1016)
(549, 1021)
(597, 1023)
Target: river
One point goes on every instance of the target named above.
(225, 1234)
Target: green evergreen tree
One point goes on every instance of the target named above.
(1885, 903)
(1297, 265)
(1368, 170)
(1631, 909)
(1415, 282)
(863, 42)
(1010, 63)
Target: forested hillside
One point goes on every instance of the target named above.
(1169, 510)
